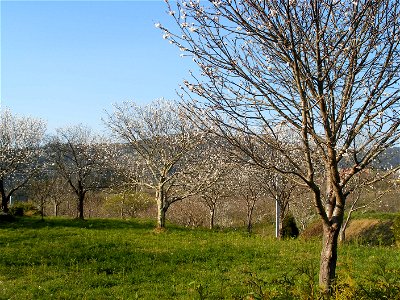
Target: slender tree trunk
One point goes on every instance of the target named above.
(42, 211)
(4, 198)
(250, 218)
(342, 233)
(122, 207)
(212, 217)
(56, 209)
(328, 261)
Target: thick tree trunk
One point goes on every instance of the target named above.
(328, 261)
(81, 206)
(160, 217)
(282, 216)
(161, 208)
(4, 203)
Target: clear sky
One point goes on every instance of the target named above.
(68, 61)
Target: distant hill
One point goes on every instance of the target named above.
(388, 159)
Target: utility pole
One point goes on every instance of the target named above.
(277, 216)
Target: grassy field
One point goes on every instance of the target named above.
(115, 259)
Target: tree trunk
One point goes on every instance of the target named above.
(80, 205)
(282, 215)
(4, 203)
(42, 211)
(327, 272)
(342, 235)
(249, 225)
(161, 208)
(4, 198)
(56, 209)
(212, 218)
(160, 217)
(249, 219)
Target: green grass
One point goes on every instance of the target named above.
(114, 259)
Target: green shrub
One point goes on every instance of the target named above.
(289, 227)
(19, 209)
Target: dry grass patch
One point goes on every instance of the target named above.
(371, 232)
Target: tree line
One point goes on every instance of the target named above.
(152, 152)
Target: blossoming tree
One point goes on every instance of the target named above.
(21, 141)
(83, 159)
(165, 156)
(328, 68)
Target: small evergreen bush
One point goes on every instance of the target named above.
(289, 227)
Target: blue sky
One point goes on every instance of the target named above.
(68, 61)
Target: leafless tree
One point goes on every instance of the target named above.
(167, 157)
(329, 69)
(82, 158)
(21, 141)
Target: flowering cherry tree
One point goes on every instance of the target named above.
(166, 157)
(328, 68)
(83, 159)
(21, 141)
(248, 187)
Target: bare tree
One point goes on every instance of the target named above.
(166, 156)
(82, 159)
(327, 68)
(20, 150)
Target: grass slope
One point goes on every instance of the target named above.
(114, 259)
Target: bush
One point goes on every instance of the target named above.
(289, 227)
(6, 217)
(19, 209)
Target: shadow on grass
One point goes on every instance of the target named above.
(98, 224)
